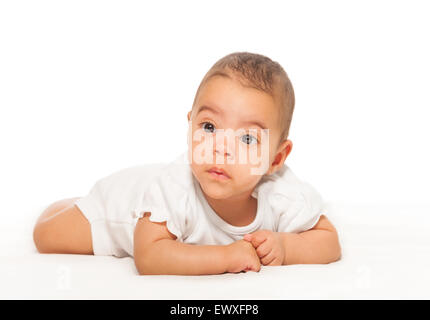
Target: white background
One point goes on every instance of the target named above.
(91, 87)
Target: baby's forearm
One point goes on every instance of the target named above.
(172, 257)
(313, 247)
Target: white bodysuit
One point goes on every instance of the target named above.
(171, 193)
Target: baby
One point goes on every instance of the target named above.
(227, 204)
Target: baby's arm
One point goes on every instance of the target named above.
(317, 245)
(156, 251)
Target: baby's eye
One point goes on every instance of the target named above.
(208, 126)
(248, 139)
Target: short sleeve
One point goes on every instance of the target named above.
(302, 212)
(168, 200)
(296, 204)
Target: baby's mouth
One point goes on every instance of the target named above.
(218, 173)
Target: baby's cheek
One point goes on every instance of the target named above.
(246, 178)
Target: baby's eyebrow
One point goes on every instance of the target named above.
(257, 123)
(202, 108)
(251, 122)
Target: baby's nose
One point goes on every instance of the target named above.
(220, 152)
(224, 143)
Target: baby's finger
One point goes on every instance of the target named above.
(275, 262)
(268, 258)
(256, 238)
(263, 249)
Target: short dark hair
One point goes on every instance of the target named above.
(262, 73)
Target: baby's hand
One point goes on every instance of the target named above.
(241, 256)
(268, 245)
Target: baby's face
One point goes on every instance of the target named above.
(228, 131)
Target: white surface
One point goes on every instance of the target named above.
(90, 87)
(382, 259)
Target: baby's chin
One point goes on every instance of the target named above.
(214, 191)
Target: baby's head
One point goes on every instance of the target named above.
(239, 123)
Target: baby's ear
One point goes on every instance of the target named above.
(283, 151)
(277, 163)
(286, 147)
(189, 115)
(281, 155)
